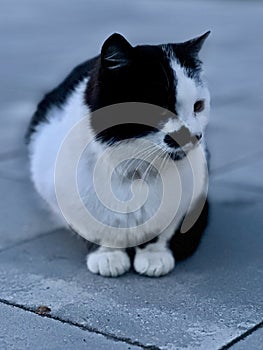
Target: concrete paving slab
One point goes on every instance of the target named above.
(243, 173)
(234, 136)
(239, 183)
(24, 330)
(23, 214)
(229, 194)
(15, 119)
(16, 166)
(206, 302)
(253, 342)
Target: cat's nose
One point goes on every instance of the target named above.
(178, 138)
(171, 142)
(181, 137)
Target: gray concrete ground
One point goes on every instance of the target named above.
(211, 301)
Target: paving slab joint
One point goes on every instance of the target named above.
(242, 336)
(78, 325)
(31, 239)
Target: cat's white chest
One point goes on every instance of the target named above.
(133, 210)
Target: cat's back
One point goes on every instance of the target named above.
(56, 114)
(59, 96)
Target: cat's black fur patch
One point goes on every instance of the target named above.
(183, 245)
(127, 74)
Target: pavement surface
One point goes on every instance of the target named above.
(211, 301)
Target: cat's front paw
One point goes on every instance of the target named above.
(154, 263)
(111, 263)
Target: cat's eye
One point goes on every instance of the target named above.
(199, 106)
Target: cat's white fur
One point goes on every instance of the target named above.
(188, 92)
(155, 259)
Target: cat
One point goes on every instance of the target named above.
(113, 92)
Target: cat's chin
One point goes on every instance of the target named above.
(181, 153)
(178, 155)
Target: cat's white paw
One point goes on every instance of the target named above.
(108, 263)
(154, 263)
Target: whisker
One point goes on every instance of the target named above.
(143, 153)
(145, 159)
(139, 154)
(151, 166)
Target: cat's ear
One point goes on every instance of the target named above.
(193, 46)
(116, 52)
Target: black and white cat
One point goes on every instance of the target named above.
(167, 76)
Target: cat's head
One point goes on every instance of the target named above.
(168, 76)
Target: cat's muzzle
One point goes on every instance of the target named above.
(181, 143)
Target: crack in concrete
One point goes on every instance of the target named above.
(109, 336)
(35, 238)
(242, 336)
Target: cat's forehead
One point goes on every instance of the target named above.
(151, 57)
(183, 62)
(153, 52)
(169, 57)
(187, 88)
